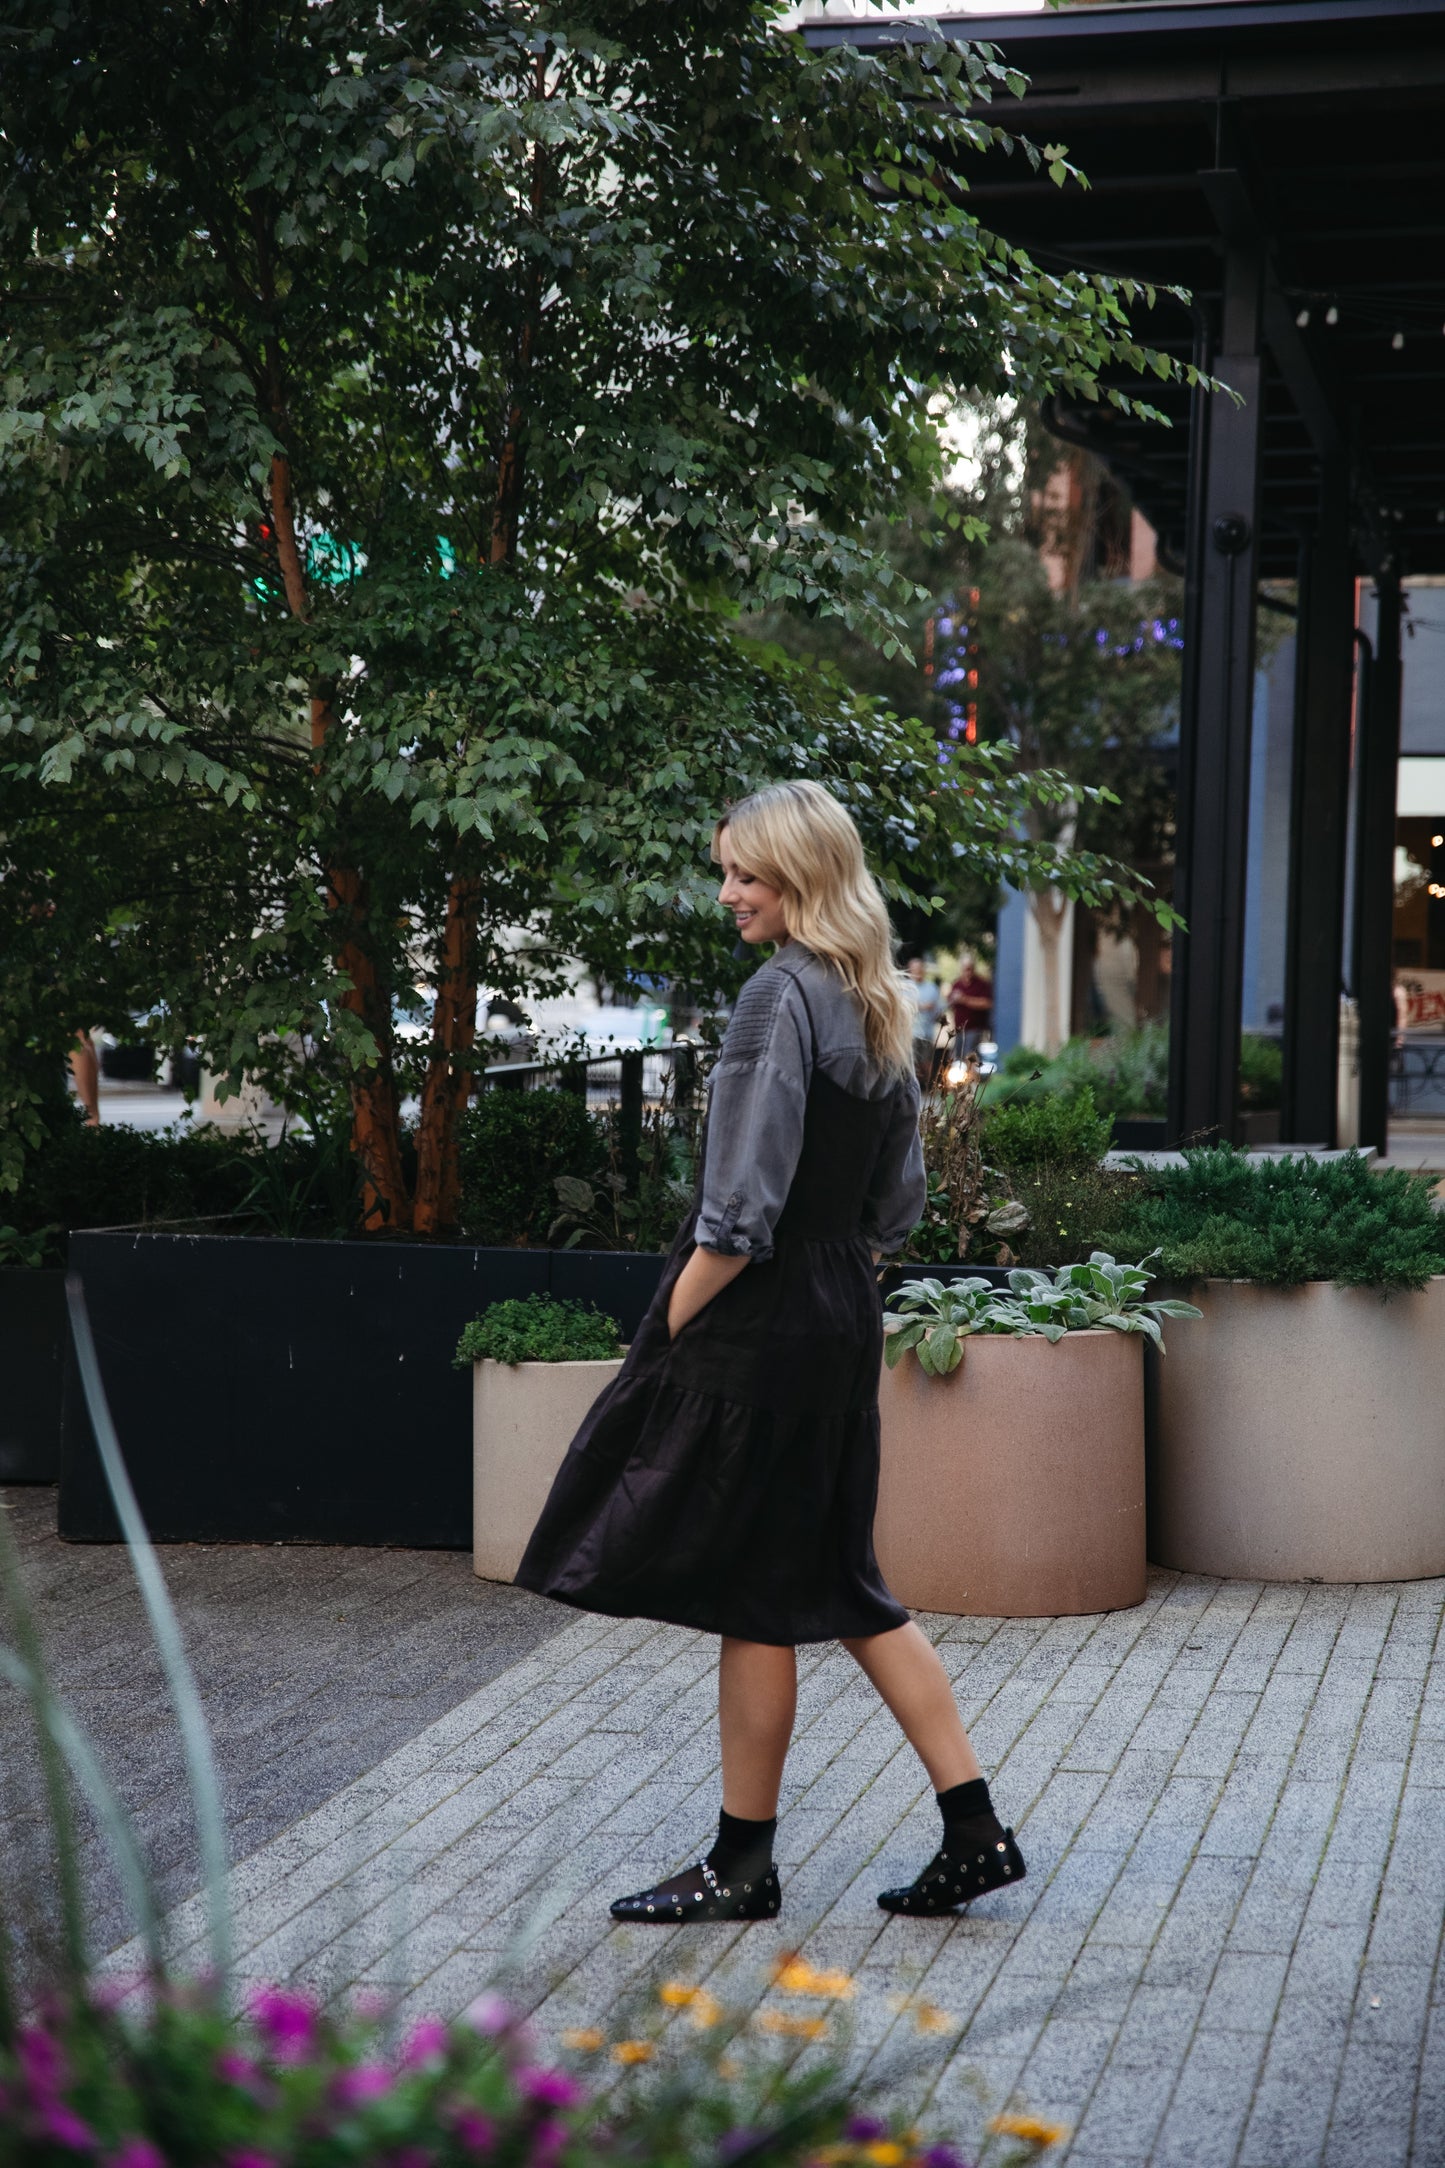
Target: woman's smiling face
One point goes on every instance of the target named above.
(757, 909)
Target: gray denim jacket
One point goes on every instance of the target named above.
(757, 1098)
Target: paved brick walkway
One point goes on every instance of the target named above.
(1232, 1800)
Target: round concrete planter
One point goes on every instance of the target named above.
(1015, 1487)
(1298, 1434)
(524, 1417)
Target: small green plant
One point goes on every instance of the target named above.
(540, 1329)
(514, 1146)
(1060, 1131)
(934, 1317)
(27, 1250)
(1225, 1215)
(1261, 1072)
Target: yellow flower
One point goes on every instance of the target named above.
(1032, 2128)
(729, 2068)
(705, 2008)
(796, 2028)
(930, 2019)
(885, 2154)
(586, 2039)
(798, 1977)
(633, 2051)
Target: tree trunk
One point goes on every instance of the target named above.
(375, 1108)
(1049, 909)
(448, 1083)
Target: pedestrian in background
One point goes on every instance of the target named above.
(727, 1479)
(970, 1004)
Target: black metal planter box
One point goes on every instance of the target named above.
(270, 1391)
(298, 1392)
(33, 1333)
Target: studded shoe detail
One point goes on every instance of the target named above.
(950, 1880)
(698, 1894)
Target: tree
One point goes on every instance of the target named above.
(399, 401)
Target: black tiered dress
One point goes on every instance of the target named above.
(727, 1479)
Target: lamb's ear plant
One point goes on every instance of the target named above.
(933, 1318)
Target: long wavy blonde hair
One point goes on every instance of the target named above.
(797, 838)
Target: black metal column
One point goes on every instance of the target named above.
(1213, 816)
(1319, 817)
(1374, 959)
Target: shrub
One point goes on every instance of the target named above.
(1072, 1210)
(119, 1177)
(514, 1146)
(1127, 1072)
(1261, 1072)
(1059, 1131)
(540, 1329)
(1282, 1221)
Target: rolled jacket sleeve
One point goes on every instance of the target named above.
(756, 1103)
(899, 1186)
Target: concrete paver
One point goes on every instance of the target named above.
(1227, 1950)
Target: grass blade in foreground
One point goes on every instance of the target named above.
(195, 1738)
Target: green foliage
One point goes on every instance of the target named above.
(398, 405)
(120, 1177)
(1071, 1210)
(1062, 1131)
(514, 1145)
(1126, 1072)
(540, 1329)
(1261, 1071)
(1281, 1221)
(933, 1318)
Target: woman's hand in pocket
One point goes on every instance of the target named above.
(704, 1276)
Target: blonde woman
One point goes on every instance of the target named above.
(727, 1479)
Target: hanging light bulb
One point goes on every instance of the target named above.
(1303, 319)
(1332, 314)
(1398, 341)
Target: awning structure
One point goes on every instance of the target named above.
(1285, 161)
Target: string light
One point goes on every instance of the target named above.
(1332, 314)
(1303, 319)
(1398, 341)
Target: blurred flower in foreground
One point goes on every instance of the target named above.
(584, 2039)
(633, 2051)
(703, 2008)
(1032, 2128)
(793, 2028)
(794, 1974)
(926, 2015)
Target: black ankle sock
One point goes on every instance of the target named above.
(742, 1846)
(964, 1803)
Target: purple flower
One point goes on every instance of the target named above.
(864, 2129)
(548, 2139)
(735, 2142)
(137, 2153)
(286, 2021)
(235, 2069)
(549, 2088)
(371, 2004)
(426, 2043)
(943, 2156)
(477, 2132)
(41, 2063)
(65, 2127)
(368, 2081)
(490, 2015)
(247, 2159)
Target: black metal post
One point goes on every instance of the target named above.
(1319, 818)
(1213, 816)
(629, 1116)
(1374, 959)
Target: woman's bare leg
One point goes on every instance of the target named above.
(757, 1699)
(905, 1667)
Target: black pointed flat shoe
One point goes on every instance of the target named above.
(951, 1880)
(699, 1894)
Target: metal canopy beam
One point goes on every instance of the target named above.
(1213, 816)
